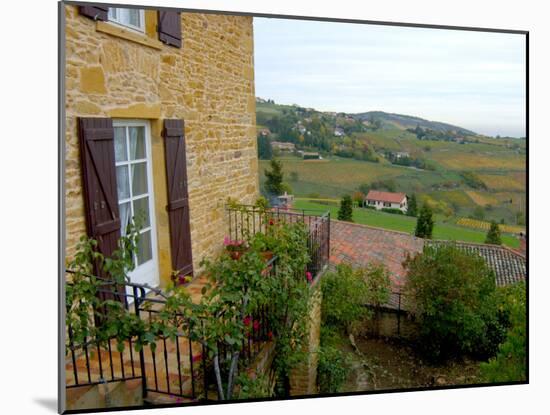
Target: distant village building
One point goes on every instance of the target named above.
(310, 155)
(264, 132)
(279, 145)
(285, 200)
(389, 200)
(401, 154)
(261, 100)
(301, 129)
(339, 132)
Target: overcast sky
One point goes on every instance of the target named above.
(471, 79)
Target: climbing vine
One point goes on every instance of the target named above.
(235, 290)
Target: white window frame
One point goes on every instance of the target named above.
(140, 28)
(147, 272)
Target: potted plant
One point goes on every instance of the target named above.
(264, 243)
(180, 279)
(235, 247)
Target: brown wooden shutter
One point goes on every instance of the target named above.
(96, 12)
(178, 202)
(97, 153)
(169, 28)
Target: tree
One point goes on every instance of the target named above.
(274, 178)
(510, 363)
(424, 223)
(346, 209)
(364, 188)
(358, 198)
(265, 152)
(493, 235)
(411, 206)
(452, 293)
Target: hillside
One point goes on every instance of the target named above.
(404, 122)
(460, 175)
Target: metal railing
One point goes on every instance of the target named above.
(245, 221)
(177, 367)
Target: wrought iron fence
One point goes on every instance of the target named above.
(248, 220)
(180, 367)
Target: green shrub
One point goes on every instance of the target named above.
(332, 369)
(344, 297)
(424, 223)
(412, 206)
(251, 386)
(348, 290)
(493, 235)
(510, 363)
(453, 293)
(346, 209)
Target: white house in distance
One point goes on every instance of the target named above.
(388, 200)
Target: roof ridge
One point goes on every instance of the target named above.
(362, 225)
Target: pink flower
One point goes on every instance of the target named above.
(309, 276)
(246, 320)
(197, 357)
(226, 241)
(256, 325)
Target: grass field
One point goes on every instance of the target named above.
(336, 176)
(407, 224)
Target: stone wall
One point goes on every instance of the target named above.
(303, 379)
(209, 83)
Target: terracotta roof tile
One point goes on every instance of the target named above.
(359, 245)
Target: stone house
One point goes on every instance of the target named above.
(386, 200)
(160, 123)
(283, 146)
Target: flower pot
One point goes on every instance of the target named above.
(179, 280)
(235, 254)
(267, 255)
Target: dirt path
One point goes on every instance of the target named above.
(386, 364)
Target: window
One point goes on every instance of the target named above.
(135, 194)
(131, 18)
(387, 204)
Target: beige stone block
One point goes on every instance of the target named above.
(92, 80)
(86, 108)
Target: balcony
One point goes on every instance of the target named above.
(180, 369)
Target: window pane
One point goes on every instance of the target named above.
(137, 142)
(144, 251)
(141, 210)
(112, 13)
(122, 183)
(139, 179)
(133, 17)
(120, 144)
(125, 216)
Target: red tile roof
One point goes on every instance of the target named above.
(359, 245)
(386, 196)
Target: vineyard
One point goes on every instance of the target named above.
(479, 224)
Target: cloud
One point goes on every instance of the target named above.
(467, 78)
